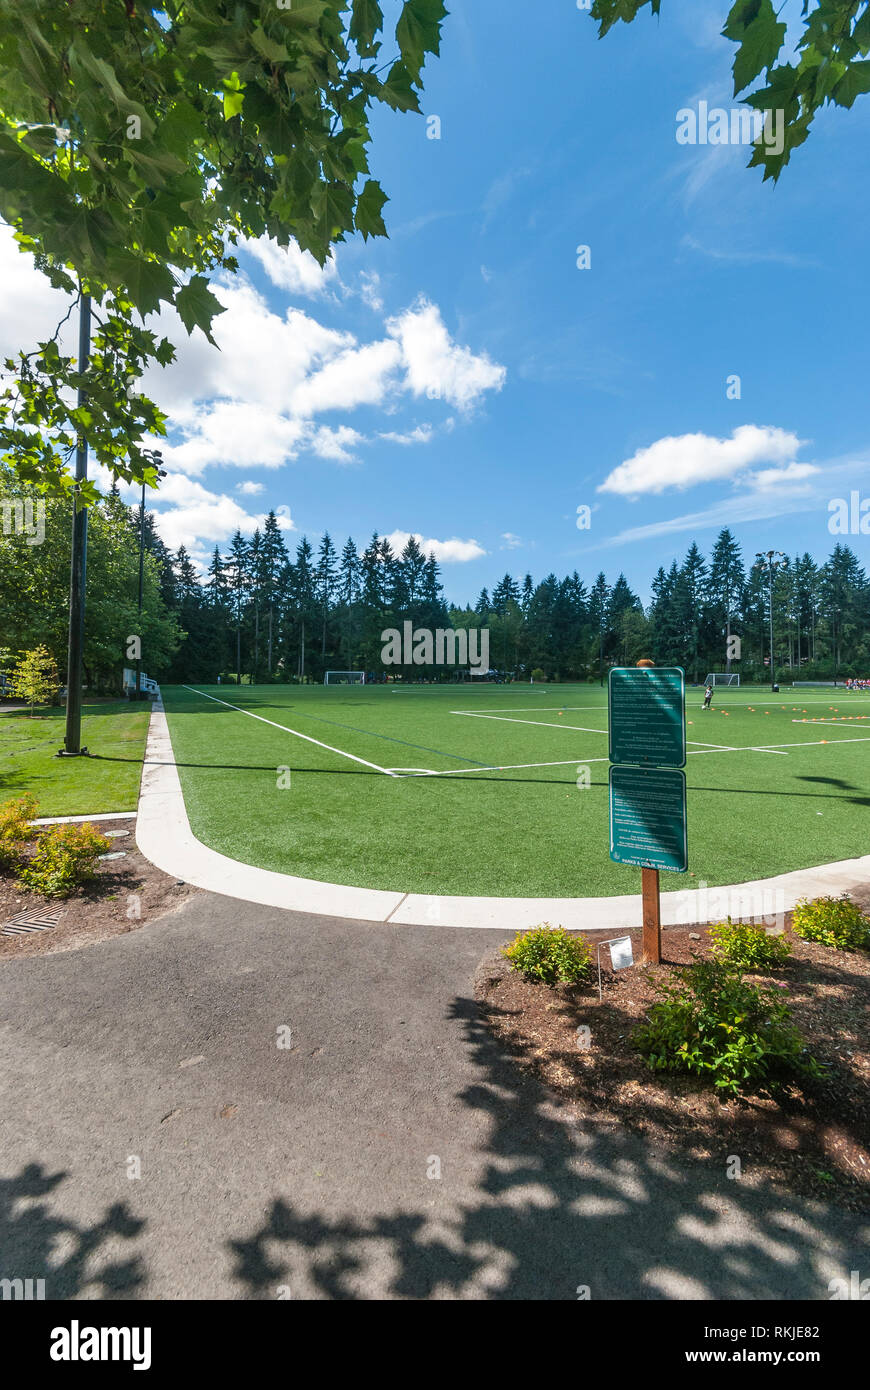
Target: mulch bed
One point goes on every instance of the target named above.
(98, 911)
(814, 1141)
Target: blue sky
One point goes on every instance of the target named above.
(467, 382)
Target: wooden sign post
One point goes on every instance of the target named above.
(647, 746)
(652, 918)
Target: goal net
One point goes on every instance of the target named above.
(721, 678)
(344, 678)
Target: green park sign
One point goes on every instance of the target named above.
(647, 716)
(648, 818)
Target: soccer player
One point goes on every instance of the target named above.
(708, 696)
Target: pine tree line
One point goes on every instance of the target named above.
(270, 615)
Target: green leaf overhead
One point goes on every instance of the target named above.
(369, 208)
(418, 32)
(761, 41)
(140, 143)
(197, 306)
(831, 66)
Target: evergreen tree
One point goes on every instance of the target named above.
(304, 599)
(273, 559)
(694, 584)
(349, 593)
(238, 585)
(724, 588)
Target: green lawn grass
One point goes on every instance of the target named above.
(113, 731)
(487, 828)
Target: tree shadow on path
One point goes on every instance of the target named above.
(36, 1244)
(556, 1208)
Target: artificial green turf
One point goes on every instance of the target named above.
(114, 732)
(517, 832)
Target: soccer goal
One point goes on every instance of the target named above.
(721, 678)
(344, 678)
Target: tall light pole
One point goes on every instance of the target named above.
(767, 563)
(161, 473)
(141, 578)
(72, 747)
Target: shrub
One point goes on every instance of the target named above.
(35, 677)
(14, 829)
(714, 1023)
(550, 955)
(64, 859)
(748, 947)
(835, 922)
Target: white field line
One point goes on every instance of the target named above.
(748, 748)
(815, 743)
(544, 724)
(843, 719)
(295, 732)
(510, 767)
(735, 704)
(583, 762)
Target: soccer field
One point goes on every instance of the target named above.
(474, 790)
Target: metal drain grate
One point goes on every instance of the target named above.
(41, 919)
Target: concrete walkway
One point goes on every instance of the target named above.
(164, 836)
(388, 1150)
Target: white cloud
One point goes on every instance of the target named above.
(31, 308)
(357, 376)
(775, 477)
(454, 551)
(250, 489)
(236, 433)
(188, 514)
(686, 460)
(435, 365)
(421, 435)
(290, 268)
(370, 290)
(254, 403)
(511, 542)
(336, 444)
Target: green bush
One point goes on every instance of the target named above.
(748, 947)
(15, 830)
(714, 1023)
(835, 922)
(550, 955)
(65, 858)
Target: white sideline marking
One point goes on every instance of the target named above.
(843, 719)
(506, 719)
(511, 767)
(295, 732)
(811, 743)
(696, 703)
(527, 709)
(580, 761)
